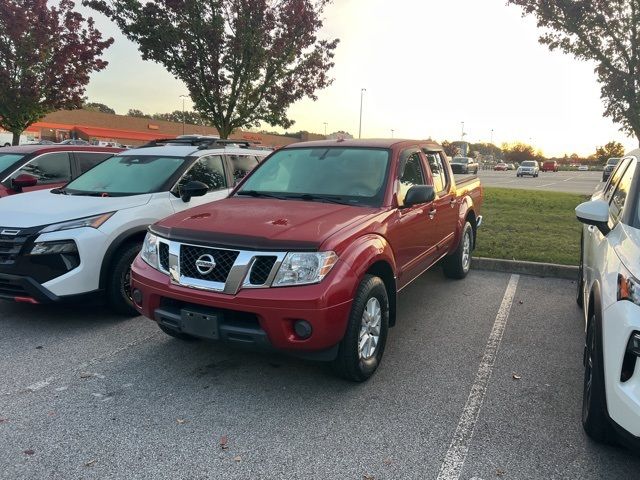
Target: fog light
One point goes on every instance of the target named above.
(634, 344)
(630, 357)
(303, 329)
(52, 248)
(137, 297)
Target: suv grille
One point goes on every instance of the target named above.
(261, 270)
(11, 245)
(164, 256)
(224, 259)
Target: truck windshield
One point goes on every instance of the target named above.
(348, 175)
(8, 160)
(126, 175)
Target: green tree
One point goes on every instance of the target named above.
(46, 58)
(243, 61)
(518, 152)
(134, 112)
(610, 150)
(98, 107)
(190, 117)
(450, 150)
(606, 32)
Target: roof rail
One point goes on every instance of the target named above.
(202, 142)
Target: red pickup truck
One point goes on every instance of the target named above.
(307, 254)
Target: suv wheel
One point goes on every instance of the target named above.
(361, 349)
(458, 264)
(594, 403)
(119, 282)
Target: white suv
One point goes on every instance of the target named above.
(609, 291)
(79, 240)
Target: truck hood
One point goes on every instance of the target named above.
(34, 209)
(262, 224)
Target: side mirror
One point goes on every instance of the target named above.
(596, 213)
(23, 180)
(193, 189)
(419, 194)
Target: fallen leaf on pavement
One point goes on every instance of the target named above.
(2, 420)
(368, 477)
(516, 376)
(237, 459)
(28, 452)
(520, 302)
(86, 374)
(90, 462)
(39, 347)
(500, 473)
(181, 421)
(223, 442)
(387, 461)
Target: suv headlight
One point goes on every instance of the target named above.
(149, 252)
(628, 288)
(300, 268)
(93, 222)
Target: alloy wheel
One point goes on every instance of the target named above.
(370, 329)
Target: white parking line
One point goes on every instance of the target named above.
(457, 453)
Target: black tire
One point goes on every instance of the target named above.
(179, 335)
(118, 288)
(456, 265)
(580, 279)
(349, 363)
(595, 419)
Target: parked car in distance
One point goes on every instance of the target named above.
(74, 141)
(511, 166)
(26, 168)
(500, 167)
(307, 254)
(6, 139)
(464, 165)
(609, 167)
(583, 168)
(549, 166)
(609, 292)
(528, 167)
(80, 240)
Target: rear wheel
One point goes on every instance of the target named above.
(360, 351)
(594, 403)
(119, 282)
(458, 264)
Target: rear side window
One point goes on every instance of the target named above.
(619, 198)
(242, 165)
(49, 168)
(88, 160)
(437, 171)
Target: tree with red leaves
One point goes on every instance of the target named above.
(243, 61)
(46, 57)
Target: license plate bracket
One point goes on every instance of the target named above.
(200, 323)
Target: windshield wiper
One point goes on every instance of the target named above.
(91, 194)
(59, 191)
(321, 198)
(256, 194)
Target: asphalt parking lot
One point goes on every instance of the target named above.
(481, 379)
(570, 182)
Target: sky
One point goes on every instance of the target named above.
(427, 66)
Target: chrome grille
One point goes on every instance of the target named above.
(11, 243)
(261, 269)
(224, 259)
(163, 252)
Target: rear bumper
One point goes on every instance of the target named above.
(258, 318)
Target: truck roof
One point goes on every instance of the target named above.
(365, 143)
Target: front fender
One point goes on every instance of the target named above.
(366, 251)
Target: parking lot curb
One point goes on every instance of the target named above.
(525, 268)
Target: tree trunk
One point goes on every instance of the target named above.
(16, 138)
(224, 131)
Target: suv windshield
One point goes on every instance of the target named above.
(126, 175)
(346, 175)
(528, 164)
(8, 160)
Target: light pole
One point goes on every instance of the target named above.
(392, 130)
(362, 90)
(463, 134)
(183, 119)
(492, 136)
(325, 129)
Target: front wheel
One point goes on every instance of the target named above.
(458, 264)
(119, 283)
(361, 349)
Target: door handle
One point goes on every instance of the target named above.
(432, 213)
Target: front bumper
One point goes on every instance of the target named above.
(531, 173)
(257, 318)
(24, 289)
(619, 322)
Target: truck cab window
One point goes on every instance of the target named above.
(437, 170)
(411, 173)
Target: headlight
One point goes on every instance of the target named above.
(93, 222)
(149, 252)
(52, 248)
(628, 288)
(304, 268)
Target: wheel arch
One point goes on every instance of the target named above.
(128, 236)
(383, 270)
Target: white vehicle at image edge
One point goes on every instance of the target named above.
(609, 292)
(80, 240)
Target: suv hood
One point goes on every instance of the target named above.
(262, 224)
(34, 209)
